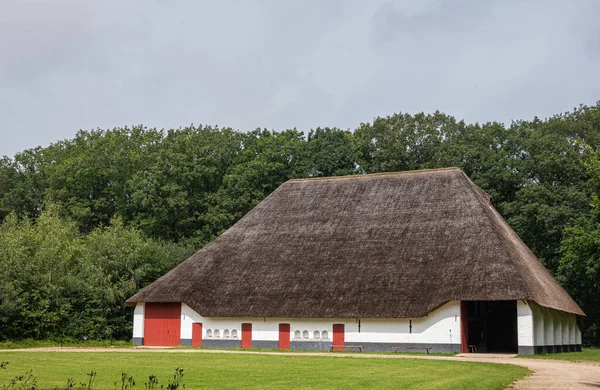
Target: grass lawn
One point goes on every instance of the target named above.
(215, 370)
(30, 343)
(587, 355)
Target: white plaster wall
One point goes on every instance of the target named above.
(538, 325)
(524, 324)
(549, 326)
(565, 328)
(557, 328)
(440, 326)
(138, 320)
(189, 316)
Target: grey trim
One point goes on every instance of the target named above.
(216, 343)
(377, 347)
(526, 350)
(138, 341)
(265, 344)
(310, 345)
(548, 349)
(410, 347)
(185, 342)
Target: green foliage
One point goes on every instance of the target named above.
(579, 269)
(88, 221)
(60, 283)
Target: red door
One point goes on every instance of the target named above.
(284, 336)
(338, 337)
(162, 323)
(196, 334)
(464, 327)
(247, 336)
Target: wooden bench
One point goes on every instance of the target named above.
(410, 348)
(359, 347)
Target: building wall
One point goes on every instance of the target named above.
(525, 328)
(540, 330)
(440, 331)
(138, 324)
(553, 331)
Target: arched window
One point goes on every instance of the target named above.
(305, 334)
(208, 333)
(297, 334)
(325, 335)
(316, 335)
(217, 334)
(234, 334)
(226, 334)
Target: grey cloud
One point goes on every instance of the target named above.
(66, 65)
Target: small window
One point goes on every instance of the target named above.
(305, 334)
(325, 335)
(217, 334)
(226, 334)
(234, 334)
(208, 333)
(297, 335)
(316, 335)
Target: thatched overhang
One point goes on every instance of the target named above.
(394, 245)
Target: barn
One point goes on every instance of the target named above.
(396, 261)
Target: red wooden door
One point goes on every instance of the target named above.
(464, 327)
(284, 336)
(162, 324)
(196, 334)
(338, 337)
(247, 336)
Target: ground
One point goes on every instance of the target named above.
(236, 369)
(210, 368)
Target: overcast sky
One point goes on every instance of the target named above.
(70, 65)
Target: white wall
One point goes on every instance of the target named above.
(537, 326)
(441, 326)
(553, 327)
(138, 320)
(557, 328)
(525, 327)
(548, 326)
(539, 333)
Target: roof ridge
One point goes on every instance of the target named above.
(367, 175)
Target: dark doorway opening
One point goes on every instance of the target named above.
(492, 326)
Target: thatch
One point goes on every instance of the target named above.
(372, 246)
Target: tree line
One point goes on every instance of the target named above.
(89, 220)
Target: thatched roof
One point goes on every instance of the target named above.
(372, 246)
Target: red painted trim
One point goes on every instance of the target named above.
(464, 327)
(338, 337)
(284, 336)
(247, 335)
(196, 334)
(162, 324)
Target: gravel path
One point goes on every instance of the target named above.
(547, 374)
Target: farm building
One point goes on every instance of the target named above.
(394, 261)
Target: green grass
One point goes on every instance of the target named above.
(30, 343)
(233, 371)
(587, 355)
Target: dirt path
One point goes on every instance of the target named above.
(547, 374)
